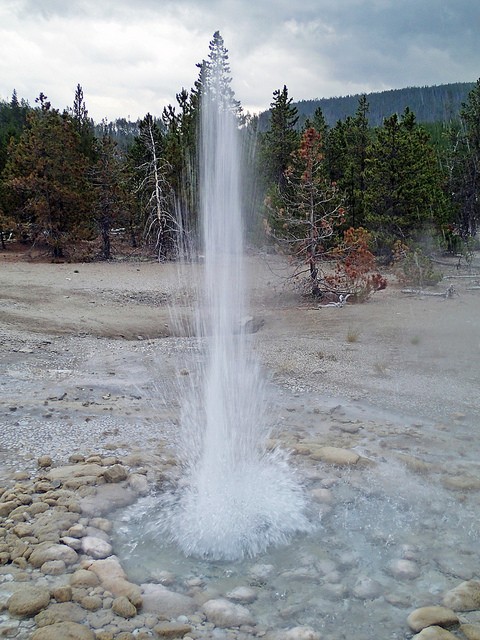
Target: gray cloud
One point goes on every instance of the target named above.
(133, 58)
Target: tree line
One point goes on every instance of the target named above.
(66, 184)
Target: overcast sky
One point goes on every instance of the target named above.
(133, 57)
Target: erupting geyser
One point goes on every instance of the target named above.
(237, 498)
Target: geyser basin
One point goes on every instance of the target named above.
(385, 541)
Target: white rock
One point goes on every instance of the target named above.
(138, 483)
(96, 547)
(404, 569)
(302, 633)
(243, 595)
(163, 602)
(226, 614)
(261, 571)
(367, 588)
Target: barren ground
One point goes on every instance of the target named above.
(78, 342)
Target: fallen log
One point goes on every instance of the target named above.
(449, 293)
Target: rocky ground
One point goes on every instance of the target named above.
(92, 360)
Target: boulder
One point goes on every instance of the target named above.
(84, 578)
(464, 597)
(64, 631)
(123, 607)
(47, 551)
(172, 629)
(28, 602)
(223, 613)
(335, 455)
(160, 601)
(434, 633)
(113, 579)
(471, 631)
(96, 547)
(115, 473)
(60, 612)
(429, 616)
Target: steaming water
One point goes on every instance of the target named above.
(238, 498)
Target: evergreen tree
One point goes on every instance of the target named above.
(83, 125)
(46, 178)
(464, 174)
(346, 153)
(111, 201)
(281, 140)
(215, 81)
(403, 181)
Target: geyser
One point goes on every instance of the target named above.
(237, 498)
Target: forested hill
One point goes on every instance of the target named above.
(440, 103)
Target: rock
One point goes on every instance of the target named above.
(23, 529)
(367, 588)
(107, 497)
(464, 597)
(91, 603)
(53, 567)
(63, 593)
(243, 595)
(28, 602)
(64, 631)
(226, 614)
(403, 569)
(172, 629)
(60, 612)
(115, 473)
(48, 551)
(44, 462)
(104, 524)
(161, 601)
(461, 483)
(295, 633)
(84, 578)
(471, 631)
(335, 455)
(261, 572)
(138, 483)
(7, 507)
(114, 579)
(96, 547)
(302, 633)
(75, 471)
(429, 616)
(434, 633)
(123, 607)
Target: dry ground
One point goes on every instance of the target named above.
(69, 324)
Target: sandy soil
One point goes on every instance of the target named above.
(97, 343)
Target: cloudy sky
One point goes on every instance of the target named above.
(132, 57)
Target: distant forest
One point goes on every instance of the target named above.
(440, 103)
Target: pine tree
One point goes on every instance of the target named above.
(403, 181)
(281, 140)
(111, 201)
(464, 174)
(46, 177)
(215, 80)
(83, 124)
(346, 152)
